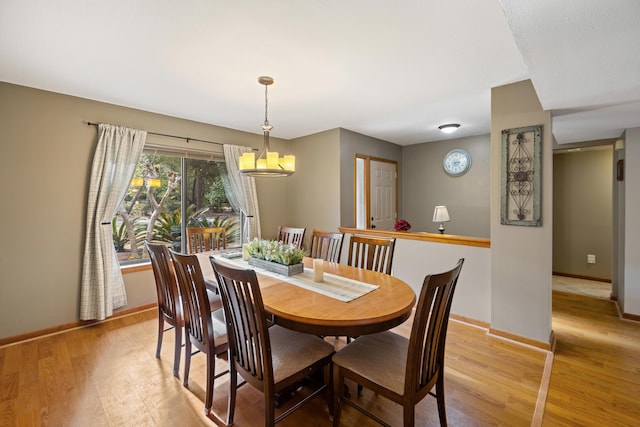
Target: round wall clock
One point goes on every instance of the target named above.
(457, 162)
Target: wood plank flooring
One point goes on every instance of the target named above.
(595, 379)
(107, 375)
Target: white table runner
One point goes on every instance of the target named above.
(337, 287)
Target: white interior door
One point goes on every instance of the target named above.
(382, 180)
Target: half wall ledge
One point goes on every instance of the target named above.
(423, 236)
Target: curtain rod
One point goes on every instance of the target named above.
(186, 138)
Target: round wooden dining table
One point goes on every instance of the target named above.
(307, 311)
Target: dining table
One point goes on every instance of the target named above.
(374, 301)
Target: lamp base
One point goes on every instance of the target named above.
(441, 229)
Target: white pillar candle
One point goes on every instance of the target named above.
(318, 270)
(272, 160)
(289, 163)
(245, 251)
(247, 161)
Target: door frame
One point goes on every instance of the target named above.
(366, 186)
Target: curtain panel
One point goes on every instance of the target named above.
(243, 190)
(114, 163)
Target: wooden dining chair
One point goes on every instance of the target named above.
(206, 330)
(169, 300)
(400, 369)
(203, 239)
(326, 245)
(169, 304)
(291, 235)
(271, 359)
(372, 253)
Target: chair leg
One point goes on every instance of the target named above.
(338, 389)
(408, 414)
(211, 373)
(176, 351)
(442, 413)
(233, 387)
(269, 409)
(187, 360)
(328, 380)
(160, 334)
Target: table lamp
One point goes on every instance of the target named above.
(440, 214)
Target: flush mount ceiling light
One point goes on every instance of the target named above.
(449, 128)
(268, 164)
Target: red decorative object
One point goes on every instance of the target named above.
(402, 225)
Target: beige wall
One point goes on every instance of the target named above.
(314, 190)
(582, 212)
(425, 185)
(521, 256)
(47, 149)
(631, 253)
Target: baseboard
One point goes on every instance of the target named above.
(507, 335)
(470, 321)
(634, 317)
(77, 324)
(524, 340)
(579, 276)
(552, 342)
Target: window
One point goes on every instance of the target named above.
(162, 187)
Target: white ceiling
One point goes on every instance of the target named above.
(390, 70)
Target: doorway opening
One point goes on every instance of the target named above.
(376, 192)
(583, 220)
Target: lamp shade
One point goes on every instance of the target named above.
(441, 214)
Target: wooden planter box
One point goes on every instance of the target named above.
(287, 270)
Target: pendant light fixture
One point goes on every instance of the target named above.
(268, 164)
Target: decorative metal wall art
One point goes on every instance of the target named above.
(521, 176)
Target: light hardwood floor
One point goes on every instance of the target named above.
(107, 375)
(595, 379)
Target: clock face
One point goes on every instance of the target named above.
(457, 162)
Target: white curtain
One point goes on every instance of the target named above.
(114, 164)
(243, 188)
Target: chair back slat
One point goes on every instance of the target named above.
(197, 311)
(291, 236)
(205, 239)
(326, 245)
(429, 330)
(245, 315)
(374, 254)
(166, 285)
